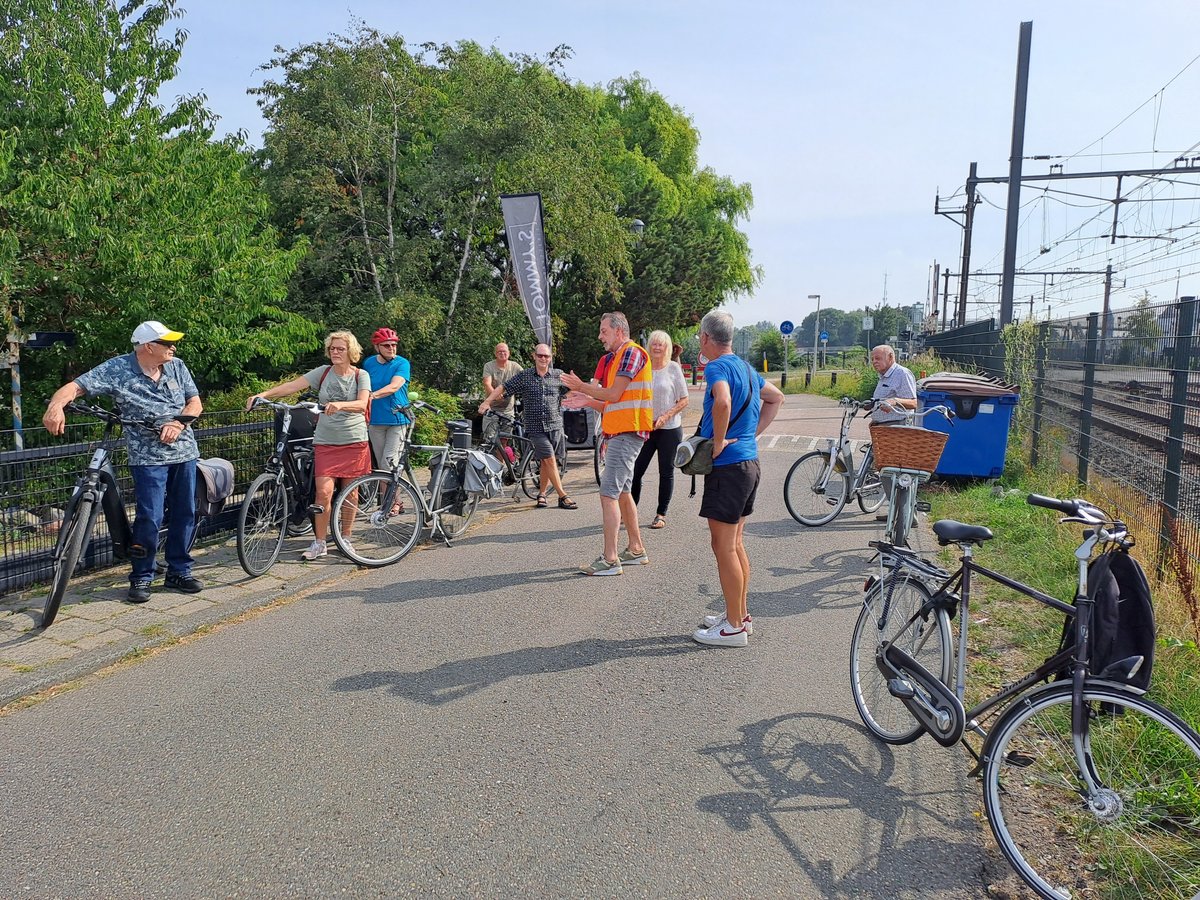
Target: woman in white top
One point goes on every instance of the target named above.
(670, 398)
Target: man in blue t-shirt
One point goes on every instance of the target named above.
(389, 426)
(738, 406)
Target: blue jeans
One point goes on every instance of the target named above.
(171, 487)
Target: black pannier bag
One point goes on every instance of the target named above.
(454, 494)
(1122, 619)
(304, 423)
(575, 426)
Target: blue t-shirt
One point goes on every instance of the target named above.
(743, 381)
(385, 410)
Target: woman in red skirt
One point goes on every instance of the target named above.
(341, 450)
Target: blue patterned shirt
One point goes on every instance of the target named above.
(138, 396)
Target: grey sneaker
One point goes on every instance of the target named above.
(315, 550)
(628, 558)
(747, 623)
(602, 567)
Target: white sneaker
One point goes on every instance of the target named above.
(721, 635)
(747, 623)
(315, 550)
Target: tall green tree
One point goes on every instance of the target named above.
(115, 209)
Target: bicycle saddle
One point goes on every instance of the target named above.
(950, 532)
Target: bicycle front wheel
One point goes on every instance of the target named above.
(886, 610)
(598, 454)
(806, 500)
(376, 519)
(1136, 835)
(262, 521)
(75, 536)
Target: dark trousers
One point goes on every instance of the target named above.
(664, 442)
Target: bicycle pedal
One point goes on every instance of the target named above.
(316, 509)
(924, 506)
(832, 501)
(901, 689)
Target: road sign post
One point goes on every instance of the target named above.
(785, 329)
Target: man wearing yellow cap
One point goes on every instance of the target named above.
(150, 384)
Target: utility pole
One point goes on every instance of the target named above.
(1016, 156)
(1105, 330)
(960, 318)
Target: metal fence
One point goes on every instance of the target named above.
(1113, 403)
(36, 483)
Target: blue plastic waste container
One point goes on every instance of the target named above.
(978, 438)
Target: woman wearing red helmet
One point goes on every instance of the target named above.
(389, 426)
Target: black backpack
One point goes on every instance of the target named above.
(1122, 620)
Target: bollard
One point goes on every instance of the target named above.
(807, 379)
(783, 381)
(833, 379)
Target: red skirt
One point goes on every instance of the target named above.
(342, 460)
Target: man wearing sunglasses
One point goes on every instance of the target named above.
(541, 391)
(150, 384)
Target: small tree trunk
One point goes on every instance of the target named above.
(366, 235)
(462, 266)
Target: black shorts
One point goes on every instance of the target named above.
(729, 492)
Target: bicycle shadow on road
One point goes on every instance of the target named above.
(816, 780)
(831, 581)
(790, 528)
(451, 588)
(536, 536)
(454, 680)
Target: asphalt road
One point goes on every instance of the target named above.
(482, 721)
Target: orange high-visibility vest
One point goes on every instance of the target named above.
(634, 410)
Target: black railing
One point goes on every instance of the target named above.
(36, 483)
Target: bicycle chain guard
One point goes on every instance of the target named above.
(931, 703)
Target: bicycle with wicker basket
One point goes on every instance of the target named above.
(906, 457)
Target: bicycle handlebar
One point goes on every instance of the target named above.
(275, 404)
(111, 418)
(1084, 513)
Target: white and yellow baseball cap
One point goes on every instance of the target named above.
(154, 331)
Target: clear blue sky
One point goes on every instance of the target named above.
(846, 119)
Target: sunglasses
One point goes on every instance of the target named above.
(170, 344)
(542, 355)
(387, 344)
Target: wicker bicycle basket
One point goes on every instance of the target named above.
(907, 447)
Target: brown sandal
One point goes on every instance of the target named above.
(659, 522)
(567, 503)
(541, 501)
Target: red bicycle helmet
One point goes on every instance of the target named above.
(384, 336)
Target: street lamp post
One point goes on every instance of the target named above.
(816, 332)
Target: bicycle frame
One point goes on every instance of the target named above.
(842, 448)
(515, 434)
(953, 590)
(287, 472)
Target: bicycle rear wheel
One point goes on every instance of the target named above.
(1137, 836)
(806, 500)
(531, 477)
(262, 520)
(74, 539)
(886, 609)
(386, 519)
(454, 524)
(871, 493)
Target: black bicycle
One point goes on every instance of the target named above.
(279, 502)
(509, 443)
(1091, 790)
(96, 491)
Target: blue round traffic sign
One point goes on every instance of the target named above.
(824, 335)
(786, 327)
